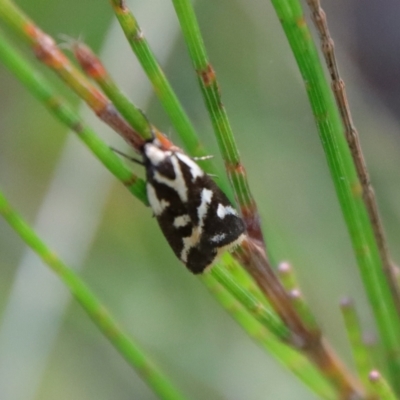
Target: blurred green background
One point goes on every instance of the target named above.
(128, 263)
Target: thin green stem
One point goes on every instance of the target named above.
(287, 276)
(256, 307)
(41, 88)
(381, 386)
(219, 117)
(288, 279)
(353, 140)
(136, 357)
(46, 51)
(162, 88)
(361, 355)
(44, 92)
(303, 309)
(288, 357)
(345, 178)
(305, 336)
(94, 68)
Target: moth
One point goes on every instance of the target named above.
(195, 216)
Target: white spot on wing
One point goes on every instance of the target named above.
(206, 196)
(195, 170)
(157, 205)
(154, 154)
(194, 238)
(223, 211)
(218, 238)
(189, 242)
(221, 250)
(181, 221)
(178, 184)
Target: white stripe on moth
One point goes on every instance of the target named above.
(194, 238)
(229, 247)
(154, 154)
(195, 170)
(223, 211)
(181, 221)
(206, 196)
(157, 206)
(178, 184)
(218, 238)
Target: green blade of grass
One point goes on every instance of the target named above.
(43, 91)
(130, 350)
(289, 358)
(344, 177)
(162, 87)
(41, 88)
(219, 117)
(381, 387)
(317, 348)
(94, 68)
(360, 352)
(320, 20)
(45, 49)
(260, 312)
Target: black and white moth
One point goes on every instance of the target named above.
(195, 216)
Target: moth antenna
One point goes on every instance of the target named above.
(130, 158)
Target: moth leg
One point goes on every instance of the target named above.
(133, 159)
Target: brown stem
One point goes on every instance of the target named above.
(368, 194)
(253, 258)
(322, 355)
(305, 338)
(48, 53)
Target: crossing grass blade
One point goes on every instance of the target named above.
(163, 89)
(129, 349)
(45, 93)
(219, 118)
(345, 178)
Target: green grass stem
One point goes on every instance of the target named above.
(361, 354)
(381, 386)
(219, 118)
(287, 276)
(265, 315)
(344, 176)
(291, 359)
(162, 87)
(130, 350)
(45, 49)
(42, 89)
(303, 309)
(95, 69)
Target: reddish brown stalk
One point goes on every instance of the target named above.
(352, 137)
(93, 67)
(47, 52)
(327, 361)
(88, 61)
(307, 338)
(253, 258)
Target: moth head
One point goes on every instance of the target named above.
(154, 153)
